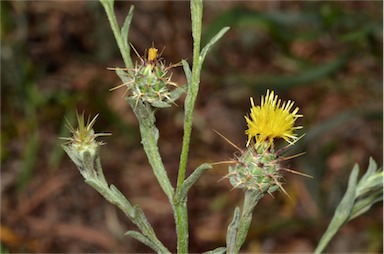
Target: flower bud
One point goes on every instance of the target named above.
(150, 82)
(82, 147)
(256, 171)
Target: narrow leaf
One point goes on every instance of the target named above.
(122, 201)
(108, 3)
(99, 169)
(99, 188)
(196, 17)
(211, 43)
(342, 212)
(219, 250)
(142, 222)
(176, 93)
(160, 104)
(372, 168)
(125, 28)
(73, 157)
(363, 205)
(232, 231)
(251, 199)
(141, 238)
(187, 184)
(187, 71)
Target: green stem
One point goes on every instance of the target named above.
(125, 53)
(193, 88)
(181, 220)
(149, 139)
(152, 150)
(250, 200)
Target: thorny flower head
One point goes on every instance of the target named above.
(150, 82)
(83, 140)
(273, 119)
(258, 168)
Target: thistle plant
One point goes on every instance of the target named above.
(256, 171)
(150, 82)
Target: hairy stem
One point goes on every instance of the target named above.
(193, 88)
(123, 47)
(250, 200)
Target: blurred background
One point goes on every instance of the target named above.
(326, 56)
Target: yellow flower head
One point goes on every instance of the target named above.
(152, 54)
(272, 120)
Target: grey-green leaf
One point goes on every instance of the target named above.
(342, 212)
(211, 43)
(187, 71)
(363, 205)
(160, 104)
(219, 250)
(142, 221)
(125, 28)
(176, 93)
(122, 201)
(196, 17)
(140, 237)
(232, 231)
(187, 184)
(123, 75)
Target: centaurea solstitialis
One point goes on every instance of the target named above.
(257, 170)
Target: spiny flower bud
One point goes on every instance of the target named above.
(256, 171)
(82, 147)
(151, 83)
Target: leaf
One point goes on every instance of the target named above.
(219, 250)
(187, 184)
(125, 28)
(176, 93)
(369, 190)
(187, 71)
(122, 201)
(363, 205)
(142, 222)
(372, 168)
(142, 238)
(160, 104)
(211, 43)
(232, 231)
(108, 3)
(99, 168)
(73, 157)
(101, 188)
(196, 17)
(342, 212)
(123, 76)
(89, 164)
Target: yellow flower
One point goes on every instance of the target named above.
(152, 54)
(272, 120)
